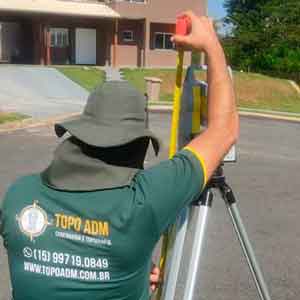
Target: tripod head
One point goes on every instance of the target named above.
(218, 177)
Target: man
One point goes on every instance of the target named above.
(85, 228)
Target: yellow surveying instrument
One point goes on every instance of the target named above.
(189, 118)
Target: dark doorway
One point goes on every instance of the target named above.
(17, 42)
(26, 42)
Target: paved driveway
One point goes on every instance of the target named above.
(266, 183)
(39, 92)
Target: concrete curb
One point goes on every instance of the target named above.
(168, 109)
(31, 123)
(269, 116)
(160, 108)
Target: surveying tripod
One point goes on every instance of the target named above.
(197, 217)
(193, 220)
(190, 103)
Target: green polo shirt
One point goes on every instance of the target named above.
(98, 244)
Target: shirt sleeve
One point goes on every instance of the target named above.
(171, 185)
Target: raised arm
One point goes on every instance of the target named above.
(223, 120)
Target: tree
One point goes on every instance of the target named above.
(265, 36)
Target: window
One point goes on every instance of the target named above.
(162, 40)
(127, 36)
(136, 1)
(59, 37)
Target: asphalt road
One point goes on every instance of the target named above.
(265, 181)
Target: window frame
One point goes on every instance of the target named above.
(125, 39)
(164, 40)
(59, 33)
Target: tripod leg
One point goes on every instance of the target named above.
(245, 242)
(173, 268)
(201, 213)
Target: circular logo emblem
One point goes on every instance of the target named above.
(33, 221)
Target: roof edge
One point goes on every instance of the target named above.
(59, 7)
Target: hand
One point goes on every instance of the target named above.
(154, 278)
(202, 36)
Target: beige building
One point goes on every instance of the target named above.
(117, 33)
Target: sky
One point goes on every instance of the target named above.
(215, 9)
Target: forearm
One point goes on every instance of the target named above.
(221, 97)
(223, 120)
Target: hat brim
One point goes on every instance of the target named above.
(102, 135)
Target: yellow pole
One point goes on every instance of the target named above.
(172, 152)
(176, 105)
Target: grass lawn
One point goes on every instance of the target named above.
(87, 77)
(136, 76)
(10, 117)
(253, 90)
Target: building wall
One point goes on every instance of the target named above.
(111, 49)
(129, 53)
(71, 23)
(163, 57)
(27, 35)
(159, 11)
(151, 13)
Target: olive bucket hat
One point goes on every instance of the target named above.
(113, 116)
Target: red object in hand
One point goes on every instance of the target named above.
(183, 25)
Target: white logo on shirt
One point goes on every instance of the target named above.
(33, 220)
